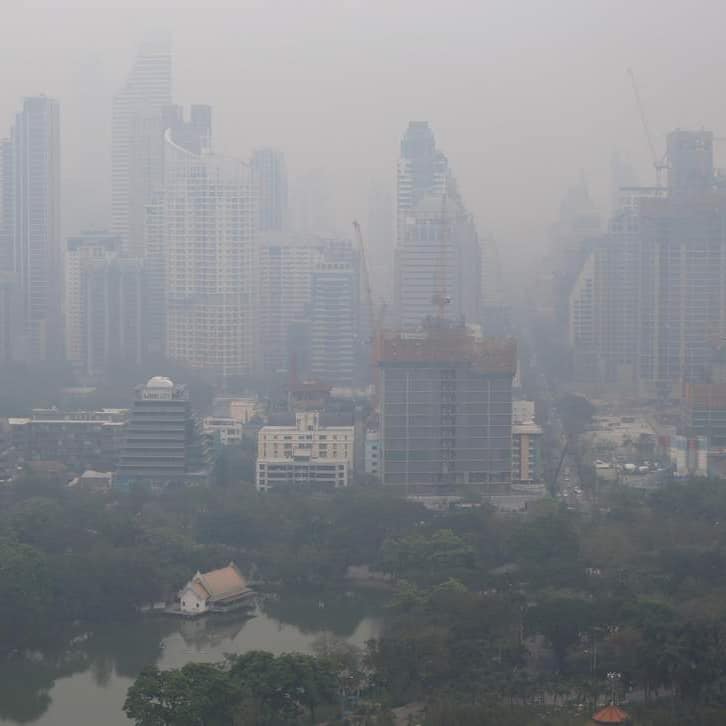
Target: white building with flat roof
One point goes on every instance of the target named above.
(306, 452)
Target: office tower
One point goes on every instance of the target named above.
(136, 143)
(162, 443)
(334, 315)
(446, 409)
(438, 260)
(105, 304)
(284, 275)
(31, 184)
(270, 172)
(204, 224)
(380, 239)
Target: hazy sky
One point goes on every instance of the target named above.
(521, 94)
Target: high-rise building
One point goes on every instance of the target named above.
(446, 409)
(438, 263)
(194, 134)
(82, 253)
(9, 299)
(7, 206)
(105, 304)
(162, 443)
(284, 286)
(137, 138)
(8, 316)
(30, 234)
(204, 230)
(650, 299)
(270, 172)
(334, 339)
(438, 259)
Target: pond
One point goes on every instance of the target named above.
(86, 682)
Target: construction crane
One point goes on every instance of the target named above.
(375, 320)
(660, 164)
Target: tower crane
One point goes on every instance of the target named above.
(658, 163)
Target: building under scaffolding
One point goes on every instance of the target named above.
(446, 409)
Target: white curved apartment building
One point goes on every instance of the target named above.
(205, 233)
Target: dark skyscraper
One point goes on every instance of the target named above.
(30, 234)
(334, 314)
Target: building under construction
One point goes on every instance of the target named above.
(446, 409)
(650, 299)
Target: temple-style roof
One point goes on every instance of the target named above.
(223, 584)
(610, 714)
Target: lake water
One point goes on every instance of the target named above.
(86, 682)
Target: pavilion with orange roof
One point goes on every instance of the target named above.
(610, 715)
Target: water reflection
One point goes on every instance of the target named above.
(86, 681)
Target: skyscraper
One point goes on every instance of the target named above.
(205, 222)
(334, 315)
(284, 277)
(137, 138)
(31, 228)
(438, 259)
(105, 304)
(437, 263)
(8, 279)
(193, 134)
(270, 171)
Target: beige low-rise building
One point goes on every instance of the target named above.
(309, 450)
